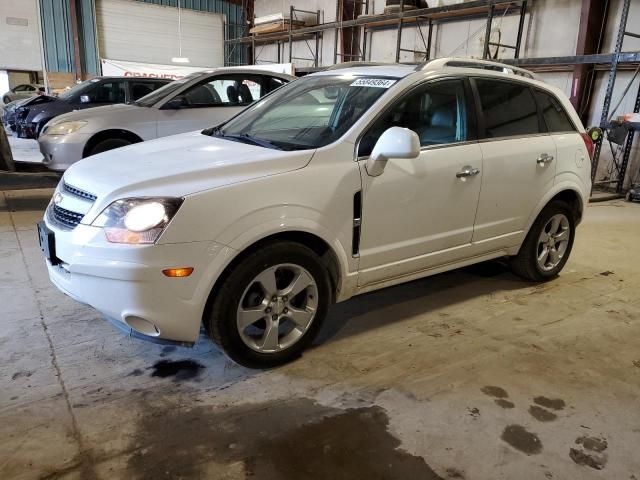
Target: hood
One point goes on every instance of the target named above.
(177, 166)
(39, 100)
(102, 112)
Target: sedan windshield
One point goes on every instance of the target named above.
(305, 114)
(157, 95)
(77, 89)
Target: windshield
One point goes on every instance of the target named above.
(306, 114)
(77, 89)
(157, 95)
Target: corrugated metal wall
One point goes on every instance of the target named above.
(88, 37)
(58, 37)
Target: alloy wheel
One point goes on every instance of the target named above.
(553, 242)
(277, 308)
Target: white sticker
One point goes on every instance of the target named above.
(373, 82)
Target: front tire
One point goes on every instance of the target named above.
(109, 144)
(271, 305)
(548, 244)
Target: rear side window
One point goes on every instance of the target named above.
(554, 114)
(139, 88)
(509, 109)
(108, 92)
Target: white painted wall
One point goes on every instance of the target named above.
(19, 35)
(269, 53)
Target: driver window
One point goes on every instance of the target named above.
(436, 112)
(235, 90)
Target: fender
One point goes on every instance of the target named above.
(292, 221)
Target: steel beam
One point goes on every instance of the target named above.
(626, 57)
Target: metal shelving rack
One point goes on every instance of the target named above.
(419, 17)
(428, 17)
(620, 168)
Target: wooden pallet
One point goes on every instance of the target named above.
(279, 26)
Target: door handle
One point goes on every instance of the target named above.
(544, 158)
(468, 172)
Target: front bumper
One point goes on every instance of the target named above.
(62, 151)
(125, 282)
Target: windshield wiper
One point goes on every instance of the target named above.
(246, 138)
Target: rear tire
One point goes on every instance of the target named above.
(271, 306)
(109, 144)
(548, 244)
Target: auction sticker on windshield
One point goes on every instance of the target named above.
(373, 82)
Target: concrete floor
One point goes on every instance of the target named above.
(472, 374)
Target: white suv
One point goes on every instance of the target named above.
(343, 182)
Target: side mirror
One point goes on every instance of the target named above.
(176, 103)
(395, 142)
(85, 99)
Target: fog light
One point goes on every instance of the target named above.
(178, 272)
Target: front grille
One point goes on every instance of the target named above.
(78, 192)
(65, 218)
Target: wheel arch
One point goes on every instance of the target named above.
(109, 133)
(319, 245)
(566, 191)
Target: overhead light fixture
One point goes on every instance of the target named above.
(180, 58)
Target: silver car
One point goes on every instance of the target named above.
(22, 91)
(197, 101)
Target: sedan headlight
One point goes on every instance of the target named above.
(65, 128)
(137, 220)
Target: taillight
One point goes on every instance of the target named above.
(588, 143)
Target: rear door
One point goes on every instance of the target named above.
(518, 160)
(210, 102)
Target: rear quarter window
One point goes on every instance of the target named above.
(554, 114)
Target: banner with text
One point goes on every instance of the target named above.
(173, 72)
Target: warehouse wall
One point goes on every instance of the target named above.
(142, 32)
(551, 29)
(58, 40)
(269, 53)
(19, 35)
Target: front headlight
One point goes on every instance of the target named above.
(137, 220)
(65, 128)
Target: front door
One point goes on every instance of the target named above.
(519, 162)
(420, 213)
(209, 103)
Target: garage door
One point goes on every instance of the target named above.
(140, 32)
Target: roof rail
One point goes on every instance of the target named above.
(339, 66)
(482, 65)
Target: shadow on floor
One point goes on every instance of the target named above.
(417, 298)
